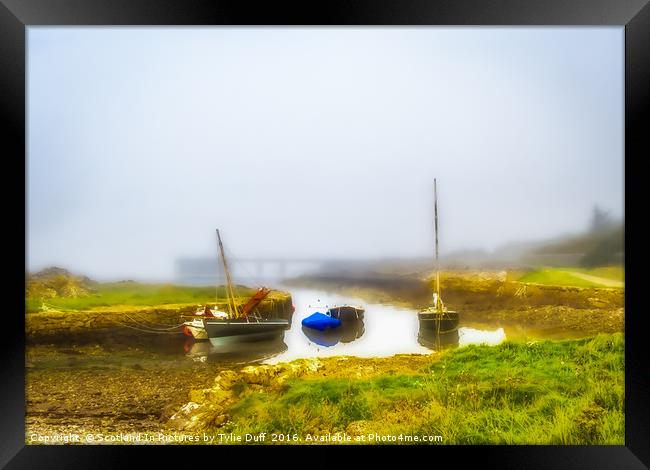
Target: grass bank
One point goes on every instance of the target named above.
(124, 309)
(134, 294)
(610, 276)
(567, 392)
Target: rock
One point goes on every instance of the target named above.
(182, 418)
(595, 302)
(212, 416)
(199, 395)
(189, 407)
(260, 375)
(215, 395)
(212, 395)
(226, 379)
(358, 428)
(208, 407)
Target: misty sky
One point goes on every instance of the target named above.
(314, 141)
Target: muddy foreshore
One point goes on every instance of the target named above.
(94, 371)
(97, 390)
(92, 389)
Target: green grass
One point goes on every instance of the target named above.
(134, 294)
(568, 392)
(561, 276)
(615, 273)
(555, 277)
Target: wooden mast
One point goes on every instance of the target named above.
(438, 305)
(232, 308)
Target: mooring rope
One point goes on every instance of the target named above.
(147, 331)
(57, 309)
(150, 327)
(144, 327)
(144, 320)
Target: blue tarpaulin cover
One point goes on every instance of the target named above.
(320, 321)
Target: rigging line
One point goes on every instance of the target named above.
(241, 265)
(231, 295)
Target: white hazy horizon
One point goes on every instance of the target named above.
(314, 142)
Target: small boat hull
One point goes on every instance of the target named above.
(440, 322)
(222, 332)
(346, 311)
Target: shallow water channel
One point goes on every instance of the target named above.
(384, 330)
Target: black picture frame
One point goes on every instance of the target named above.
(634, 15)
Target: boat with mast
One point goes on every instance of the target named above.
(436, 318)
(240, 323)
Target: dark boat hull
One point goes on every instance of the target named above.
(438, 322)
(346, 311)
(227, 331)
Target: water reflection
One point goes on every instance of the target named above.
(205, 351)
(461, 337)
(385, 330)
(350, 329)
(474, 336)
(327, 338)
(436, 341)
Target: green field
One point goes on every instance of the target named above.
(568, 277)
(569, 392)
(615, 273)
(134, 294)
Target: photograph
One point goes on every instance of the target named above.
(325, 235)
